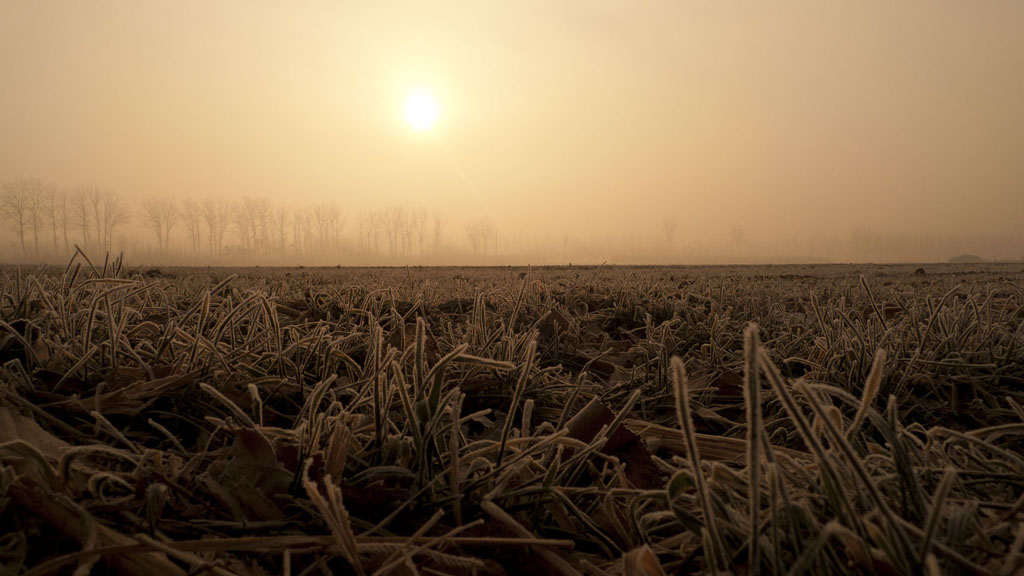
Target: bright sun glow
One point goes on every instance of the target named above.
(421, 110)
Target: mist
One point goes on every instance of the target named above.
(264, 134)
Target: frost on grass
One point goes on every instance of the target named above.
(608, 420)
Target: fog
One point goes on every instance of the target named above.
(575, 131)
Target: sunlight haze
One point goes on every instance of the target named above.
(808, 131)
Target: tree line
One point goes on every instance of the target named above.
(52, 219)
(48, 222)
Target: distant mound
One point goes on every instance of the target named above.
(966, 259)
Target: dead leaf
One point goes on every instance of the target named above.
(623, 443)
(641, 562)
(251, 476)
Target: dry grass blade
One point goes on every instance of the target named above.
(232, 407)
(517, 394)
(455, 480)
(70, 520)
(543, 416)
(269, 544)
(829, 474)
(680, 385)
(402, 555)
(874, 305)
(335, 515)
(870, 391)
(901, 541)
(554, 562)
(752, 398)
(711, 446)
(935, 512)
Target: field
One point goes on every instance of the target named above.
(825, 419)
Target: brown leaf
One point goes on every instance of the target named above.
(641, 562)
(552, 324)
(14, 426)
(402, 339)
(623, 443)
(251, 475)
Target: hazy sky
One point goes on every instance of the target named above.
(789, 118)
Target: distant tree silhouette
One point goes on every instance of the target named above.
(47, 222)
(395, 222)
(81, 209)
(36, 211)
(405, 233)
(281, 228)
(439, 221)
(14, 207)
(418, 223)
(482, 234)
(668, 230)
(112, 215)
(738, 235)
(473, 233)
(363, 232)
(57, 216)
(98, 214)
(300, 230)
(252, 220)
(160, 215)
(329, 221)
(192, 217)
(377, 228)
(217, 217)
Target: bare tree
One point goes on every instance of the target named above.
(418, 223)
(329, 222)
(95, 198)
(115, 216)
(281, 228)
(14, 208)
(49, 213)
(376, 224)
(473, 233)
(370, 225)
(363, 233)
(405, 233)
(217, 217)
(252, 218)
(244, 218)
(439, 221)
(337, 226)
(300, 225)
(56, 211)
(61, 216)
(489, 233)
(160, 215)
(81, 207)
(262, 217)
(320, 218)
(738, 235)
(481, 235)
(668, 230)
(395, 222)
(100, 211)
(191, 217)
(35, 210)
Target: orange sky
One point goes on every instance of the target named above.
(792, 119)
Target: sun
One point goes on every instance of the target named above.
(421, 110)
